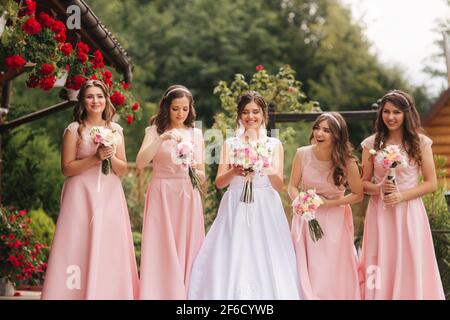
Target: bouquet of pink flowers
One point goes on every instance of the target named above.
(106, 137)
(253, 158)
(305, 205)
(390, 157)
(183, 154)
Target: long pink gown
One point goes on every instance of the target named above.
(398, 259)
(92, 254)
(173, 227)
(327, 268)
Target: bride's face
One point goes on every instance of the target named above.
(252, 116)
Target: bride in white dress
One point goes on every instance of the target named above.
(248, 252)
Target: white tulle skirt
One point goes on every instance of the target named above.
(248, 252)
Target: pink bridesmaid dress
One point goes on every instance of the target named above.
(398, 260)
(92, 254)
(173, 228)
(327, 268)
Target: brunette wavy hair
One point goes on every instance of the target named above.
(411, 124)
(162, 118)
(342, 148)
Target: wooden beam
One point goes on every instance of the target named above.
(438, 130)
(36, 115)
(311, 116)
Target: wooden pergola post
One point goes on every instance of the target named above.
(6, 93)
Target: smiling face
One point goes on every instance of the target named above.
(322, 134)
(94, 100)
(392, 116)
(179, 111)
(252, 116)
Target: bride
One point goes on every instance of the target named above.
(248, 252)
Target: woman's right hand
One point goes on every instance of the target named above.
(171, 135)
(239, 171)
(388, 187)
(104, 153)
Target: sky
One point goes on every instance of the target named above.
(402, 34)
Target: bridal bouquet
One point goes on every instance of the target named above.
(305, 205)
(253, 158)
(183, 154)
(390, 157)
(108, 138)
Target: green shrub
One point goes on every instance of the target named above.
(42, 225)
(31, 175)
(439, 217)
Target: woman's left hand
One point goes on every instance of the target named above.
(393, 198)
(324, 200)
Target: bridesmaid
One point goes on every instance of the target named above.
(327, 268)
(398, 260)
(173, 228)
(92, 255)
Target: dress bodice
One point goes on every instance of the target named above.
(86, 146)
(405, 177)
(318, 174)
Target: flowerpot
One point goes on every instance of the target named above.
(6, 287)
(61, 79)
(2, 23)
(72, 95)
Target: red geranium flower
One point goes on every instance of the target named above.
(75, 82)
(82, 56)
(83, 47)
(47, 83)
(46, 20)
(33, 81)
(58, 27)
(135, 106)
(47, 69)
(31, 26)
(66, 49)
(259, 67)
(97, 62)
(60, 37)
(22, 212)
(117, 99)
(15, 62)
(125, 85)
(130, 119)
(30, 7)
(107, 78)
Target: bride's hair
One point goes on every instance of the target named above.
(246, 98)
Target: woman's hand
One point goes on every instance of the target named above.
(388, 187)
(171, 135)
(240, 171)
(393, 198)
(104, 153)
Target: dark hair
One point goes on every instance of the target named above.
(342, 148)
(251, 96)
(411, 124)
(79, 111)
(162, 118)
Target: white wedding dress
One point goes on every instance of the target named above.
(248, 252)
